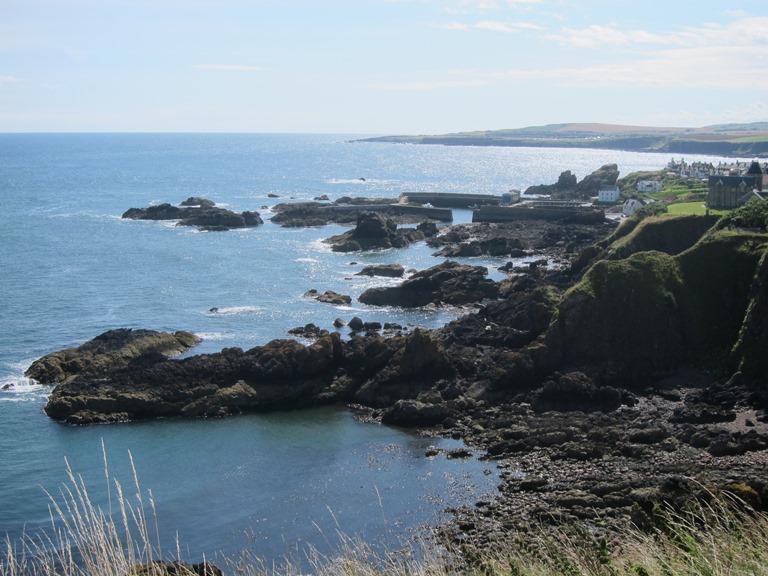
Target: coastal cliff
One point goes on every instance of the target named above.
(736, 140)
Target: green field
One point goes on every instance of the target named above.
(696, 208)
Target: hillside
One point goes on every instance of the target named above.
(743, 140)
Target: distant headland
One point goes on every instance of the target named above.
(737, 140)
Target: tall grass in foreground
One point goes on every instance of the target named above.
(717, 537)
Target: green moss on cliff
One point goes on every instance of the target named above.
(654, 311)
(666, 233)
(718, 273)
(624, 313)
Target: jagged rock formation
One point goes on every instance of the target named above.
(566, 186)
(446, 283)
(374, 231)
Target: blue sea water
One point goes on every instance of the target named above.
(71, 268)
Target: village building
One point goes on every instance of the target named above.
(649, 186)
(631, 205)
(727, 192)
(609, 194)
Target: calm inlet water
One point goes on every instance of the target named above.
(71, 269)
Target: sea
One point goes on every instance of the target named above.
(271, 485)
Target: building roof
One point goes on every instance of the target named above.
(755, 168)
(732, 180)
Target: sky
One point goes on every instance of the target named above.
(378, 66)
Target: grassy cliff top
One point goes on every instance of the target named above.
(725, 139)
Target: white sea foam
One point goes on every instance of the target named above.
(21, 389)
(360, 180)
(307, 260)
(234, 310)
(215, 336)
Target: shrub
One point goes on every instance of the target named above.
(754, 214)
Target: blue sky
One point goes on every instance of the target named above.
(378, 66)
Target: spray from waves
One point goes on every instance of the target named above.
(15, 387)
(235, 310)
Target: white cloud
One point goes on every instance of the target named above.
(734, 67)
(493, 26)
(746, 31)
(421, 85)
(9, 79)
(597, 36)
(231, 67)
(483, 6)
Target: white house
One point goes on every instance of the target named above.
(609, 194)
(631, 205)
(649, 186)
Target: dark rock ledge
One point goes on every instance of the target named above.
(633, 376)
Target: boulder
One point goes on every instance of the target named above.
(198, 201)
(328, 297)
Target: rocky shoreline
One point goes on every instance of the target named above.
(620, 369)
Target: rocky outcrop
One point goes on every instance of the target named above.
(197, 212)
(280, 374)
(606, 175)
(447, 283)
(567, 186)
(385, 270)
(347, 210)
(113, 350)
(373, 231)
(555, 242)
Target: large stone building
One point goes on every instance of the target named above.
(726, 192)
